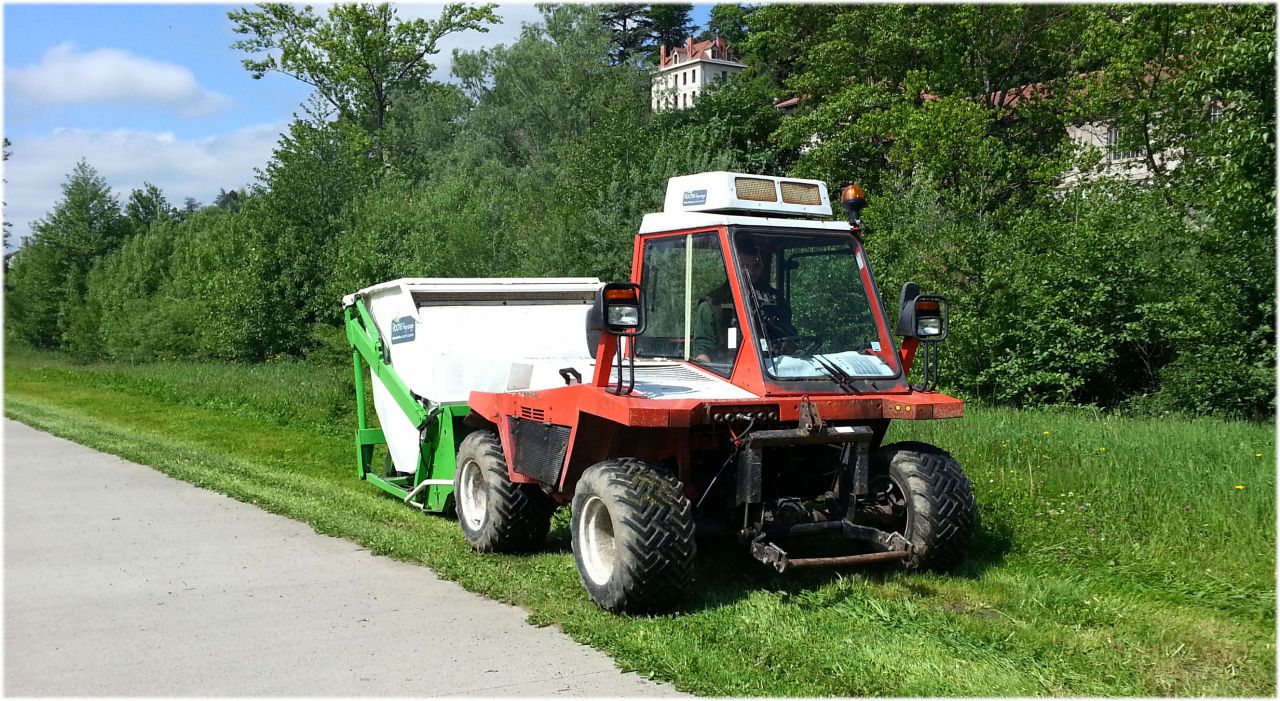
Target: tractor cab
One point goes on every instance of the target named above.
(747, 277)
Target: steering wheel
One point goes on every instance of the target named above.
(804, 345)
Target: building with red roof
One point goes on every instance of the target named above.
(683, 71)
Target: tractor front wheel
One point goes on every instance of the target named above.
(633, 535)
(931, 499)
(496, 514)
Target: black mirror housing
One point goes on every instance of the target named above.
(618, 309)
(907, 309)
(922, 317)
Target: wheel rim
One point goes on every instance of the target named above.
(889, 505)
(596, 543)
(473, 496)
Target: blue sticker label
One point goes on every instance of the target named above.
(695, 197)
(403, 329)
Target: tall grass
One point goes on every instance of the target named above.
(287, 392)
(1189, 504)
(1117, 556)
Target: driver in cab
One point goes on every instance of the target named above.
(715, 319)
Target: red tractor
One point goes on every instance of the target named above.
(743, 381)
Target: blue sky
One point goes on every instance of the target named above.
(154, 93)
(194, 37)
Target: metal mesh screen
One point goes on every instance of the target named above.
(801, 193)
(755, 189)
(539, 449)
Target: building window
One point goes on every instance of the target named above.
(695, 75)
(1215, 113)
(724, 75)
(1115, 151)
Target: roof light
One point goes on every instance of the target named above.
(852, 200)
(614, 294)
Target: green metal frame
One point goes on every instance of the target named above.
(441, 428)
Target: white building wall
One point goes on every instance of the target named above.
(678, 86)
(1113, 164)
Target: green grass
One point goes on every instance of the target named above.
(1136, 570)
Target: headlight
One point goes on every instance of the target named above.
(623, 315)
(929, 326)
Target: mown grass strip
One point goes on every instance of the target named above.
(1045, 608)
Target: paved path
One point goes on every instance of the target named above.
(121, 581)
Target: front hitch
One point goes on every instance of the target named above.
(856, 441)
(890, 547)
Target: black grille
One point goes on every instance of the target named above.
(539, 449)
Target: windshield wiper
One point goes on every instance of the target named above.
(842, 379)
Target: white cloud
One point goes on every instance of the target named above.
(65, 76)
(198, 168)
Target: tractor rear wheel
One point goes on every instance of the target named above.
(633, 535)
(926, 490)
(496, 514)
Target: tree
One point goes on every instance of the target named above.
(7, 225)
(1199, 82)
(630, 25)
(49, 278)
(1106, 293)
(728, 20)
(551, 85)
(316, 171)
(425, 124)
(669, 25)
(146, 206)
(228, 200)
(356, 56)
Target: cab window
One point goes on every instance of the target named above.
(689, 303)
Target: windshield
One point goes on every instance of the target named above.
(808, 299)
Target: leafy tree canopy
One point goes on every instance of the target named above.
(630, 26)
(146, 206)
(670, 24)
(355, 56)
(728, 20)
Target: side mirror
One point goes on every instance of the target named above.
(923, 317)
(618, 310)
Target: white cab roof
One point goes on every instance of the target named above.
(744, 193)
(678, 221)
